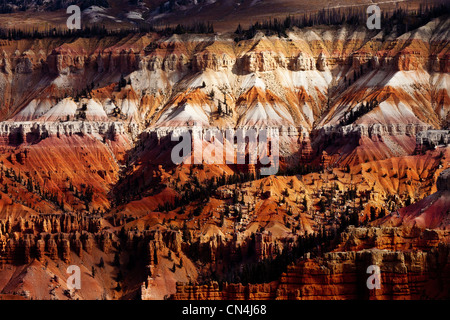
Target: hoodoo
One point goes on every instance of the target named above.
(319, 151)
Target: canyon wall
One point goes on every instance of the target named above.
(414, 264)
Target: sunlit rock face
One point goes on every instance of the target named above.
(86, 128)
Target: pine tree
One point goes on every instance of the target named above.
(122, 82)
(211, 94)
(239, 30)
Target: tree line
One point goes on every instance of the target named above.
(355, 113)
(102, 31)
(195, 191)
(400, 20)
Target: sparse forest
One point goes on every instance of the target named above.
(399, 20)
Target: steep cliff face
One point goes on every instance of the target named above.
(391, 239)
(328, 82)
(299, 70)
(414, 264)
(103, 95)
(343, 275)
(360, 118)
(55, 236)
(36, 251)
(56, 166)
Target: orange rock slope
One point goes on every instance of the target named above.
(360, 118)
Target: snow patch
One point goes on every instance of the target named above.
(134, 15)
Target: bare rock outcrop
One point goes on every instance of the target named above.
(213, 61)
(409, 259)
(259, 61)
(322, 64)
(303, 62)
